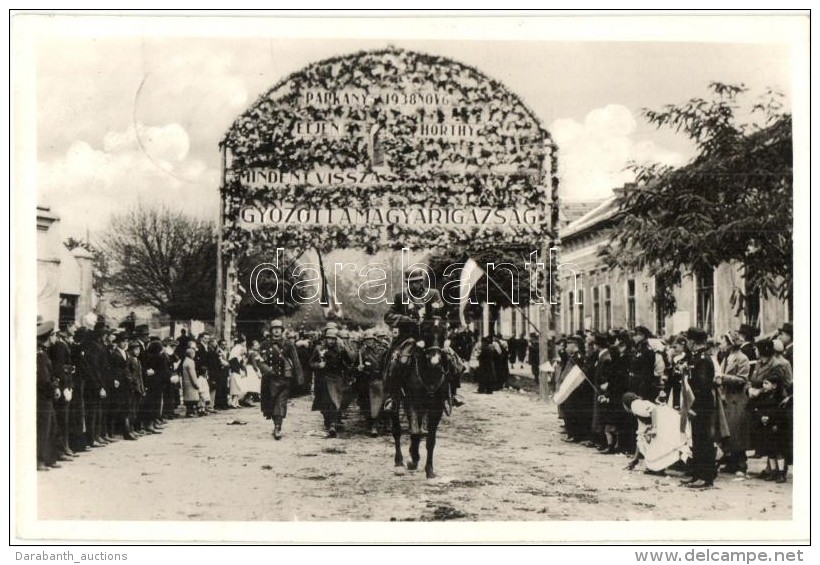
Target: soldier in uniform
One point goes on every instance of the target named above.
(369, 378)
(63, 372)
(642, 365)
(703, 411)
(330, 362)
(411, 306)
(47, 392)
(280, 367)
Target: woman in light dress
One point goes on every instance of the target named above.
(254, 375)
(237, 359)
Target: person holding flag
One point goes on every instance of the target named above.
(572, 378)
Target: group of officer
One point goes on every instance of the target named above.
(97, 385)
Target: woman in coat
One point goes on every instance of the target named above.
(485, 374)
(732, 381)
(190, 385)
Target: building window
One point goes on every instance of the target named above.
(660, 313)
(705, 299)
(581, 309)
(607, 307)
(571, 305)
(596, 308)
(630, 304)
(68, 309)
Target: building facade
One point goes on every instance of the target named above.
(593, 296)
(64, 276)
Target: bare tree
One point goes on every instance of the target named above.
(164, 259)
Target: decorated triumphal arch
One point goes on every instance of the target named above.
(379, 150)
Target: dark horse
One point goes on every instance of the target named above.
(426, 390)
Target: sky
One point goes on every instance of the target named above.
(135, 118)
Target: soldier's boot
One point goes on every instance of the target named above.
(277, 428)
(392, 384)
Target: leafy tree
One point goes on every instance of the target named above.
(731, 203)
(100, 266)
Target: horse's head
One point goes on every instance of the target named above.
(431, 366)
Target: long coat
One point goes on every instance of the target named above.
(613, 372)
(485, 374)
(190, 390)
(331, 385)
(735, 400)
(702, 382)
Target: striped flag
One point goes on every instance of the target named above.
(331, 308)
(572, 381)
(470, 274)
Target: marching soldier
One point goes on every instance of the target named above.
(330, 362)
(369, 378)
(280, 366)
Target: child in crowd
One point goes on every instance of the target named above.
(771, 415)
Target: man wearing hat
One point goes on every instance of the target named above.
(410, 307)
(749, 333)
(369, 378)
(642, 365)
(280, 369)
(48, 390)
(122, 397)
(575, 408)
(702, 411)
(63, 372)
(330, 362)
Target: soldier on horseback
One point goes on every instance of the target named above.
(416, 303)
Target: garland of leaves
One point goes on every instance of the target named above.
(431, 172)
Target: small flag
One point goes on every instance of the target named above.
(331, 308)
(470, 274)
(572, 381)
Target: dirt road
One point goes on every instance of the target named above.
(499, 457)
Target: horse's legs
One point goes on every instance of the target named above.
(432, 426)
(395, 422)
(415, 441)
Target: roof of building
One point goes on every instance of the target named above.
(603, 211)
(571, 211)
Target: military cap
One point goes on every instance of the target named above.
(44, 329)
(277, 324)
(369, 334)
(415, 275)
(344, 334)
(696, 334)
(331, 332)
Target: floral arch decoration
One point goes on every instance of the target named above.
(356, 136)
(382, 150)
